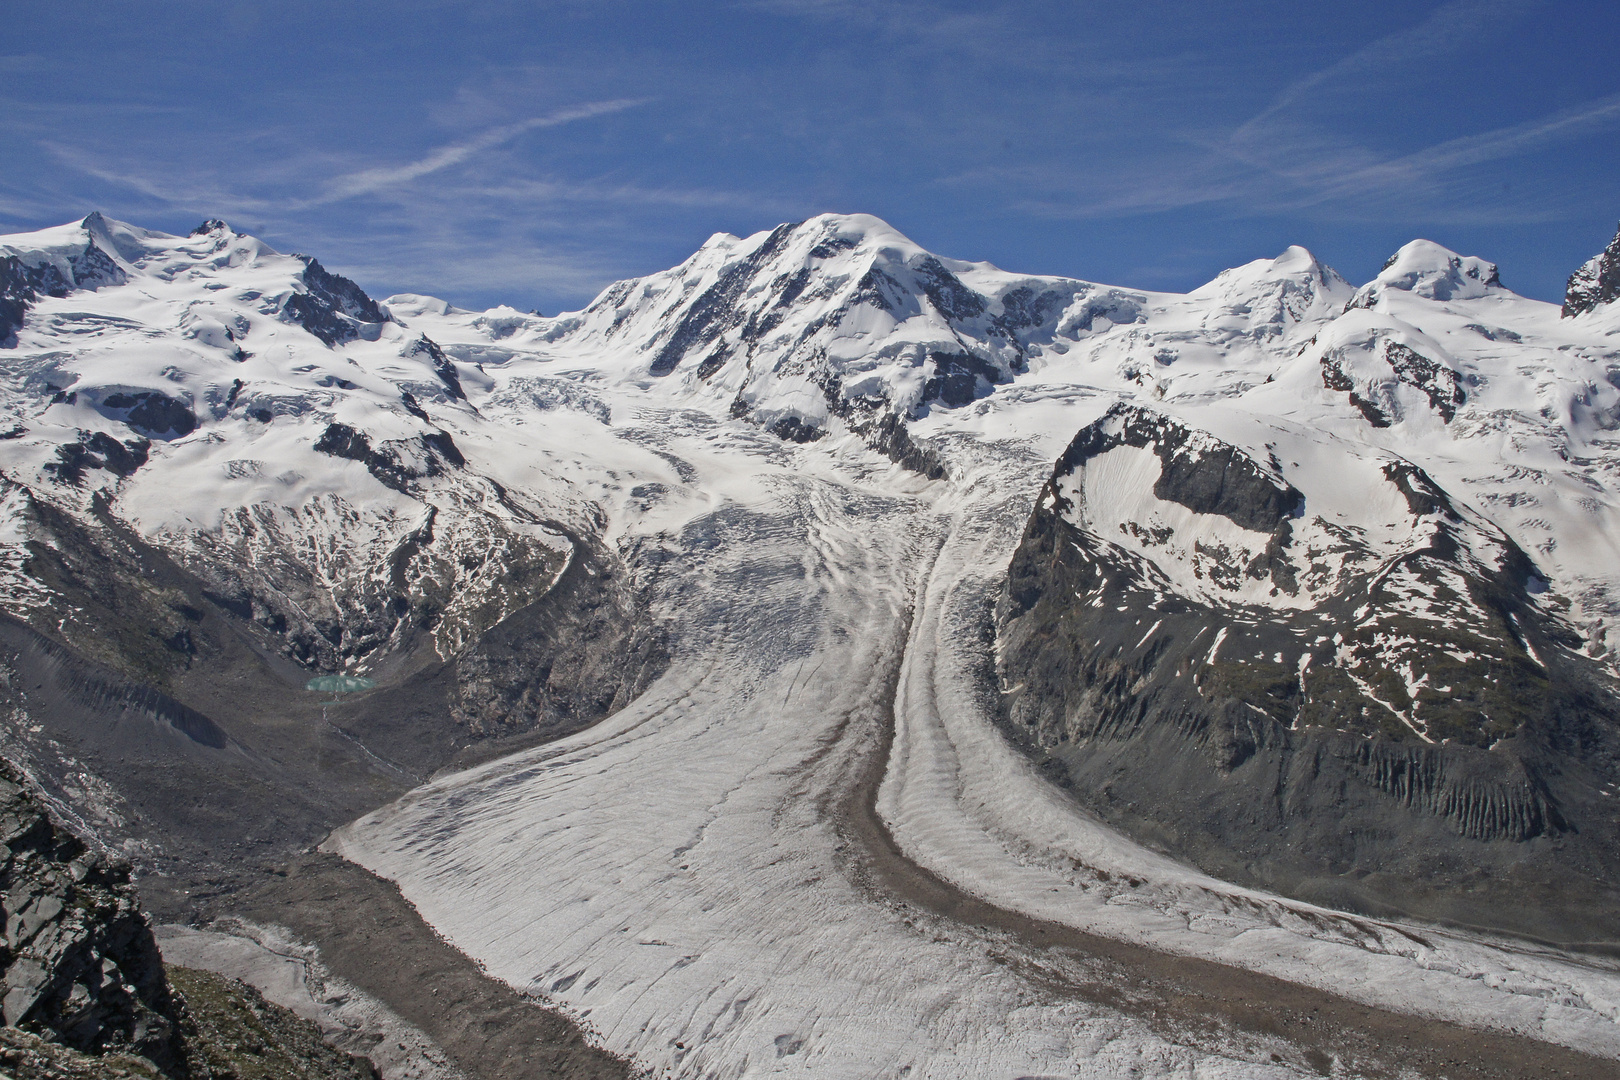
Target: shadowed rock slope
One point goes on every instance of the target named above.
(84, 990)
(1282, 737)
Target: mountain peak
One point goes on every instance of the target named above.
(1296, 259)
(1295, 262)
(1432, 271)
(1271, 296)
(1596, 283)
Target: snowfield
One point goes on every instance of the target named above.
(680, 877)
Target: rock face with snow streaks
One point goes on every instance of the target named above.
(835, 317)
(1395, 725)
(1596, 283)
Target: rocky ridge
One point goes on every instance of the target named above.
(85, 992)
(1596, 283)
(82, 966)
(1394, 727)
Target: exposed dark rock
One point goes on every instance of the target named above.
(1023, 307)
(574, 656)
(878, 289)
(715, 311)
(945, 291)
(832, 246)
(445, 448)
(792, 429)
(94, 269)
(413, 406)
(1335, 377)
(1594, 284)
(1117, 307)
(212, 225)
(959, 379)
(155, 415)
(890, 437)
(22, 283)
(84, 991)
(443, 366)
(97, 450)
(333, 307)
(388, 462)
(1494, 333)
(1438, 382)
(1238, 739)
(713, 363)
(1198, 472)
(81, 964)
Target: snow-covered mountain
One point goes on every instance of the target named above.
(1322, 591)
(226, 470)
(197, 378)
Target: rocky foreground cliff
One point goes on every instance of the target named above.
(86, 992)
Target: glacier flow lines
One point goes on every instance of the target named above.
(673, 877)
(688, 878)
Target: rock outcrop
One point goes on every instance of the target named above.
(1390, 724)
(1596, 283)
(85, 992)
(332, 307)
(81, 964)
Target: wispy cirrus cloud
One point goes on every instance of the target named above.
(369, 181)
(435, 211)
(1353, 173)
(197, 191)
(1302, 159)
(1450, 27)
(572, 148)
(194, 191)
(1296, 154)
(1587, 118)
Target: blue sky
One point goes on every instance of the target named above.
(531, 153)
